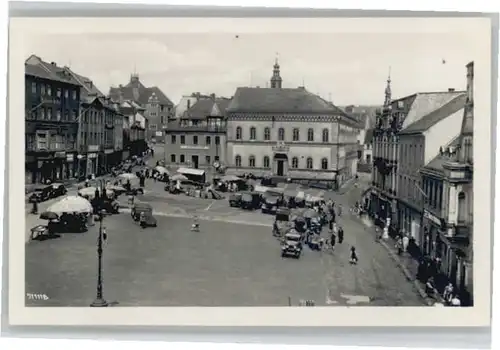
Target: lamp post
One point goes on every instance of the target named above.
(99, 301)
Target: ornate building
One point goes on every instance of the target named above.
(198, 138)
(290, 133)
(448, 212)
(395, 116)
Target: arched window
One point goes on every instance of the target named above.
(266, 162)
(267, 134)
(237, 161)
(462, 208)
(251, 161)
(325, 135)
(295, 162)
(310, 134)
(324, 164)
(281, 134)
(253, 133)
(309, 163)
(238, 133)
(296, 134)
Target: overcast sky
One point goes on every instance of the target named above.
(348, 68)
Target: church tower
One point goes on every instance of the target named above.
(276, 78)
(388, 93)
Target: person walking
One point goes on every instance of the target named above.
(341, 235)
(353, 258)
(399, 245)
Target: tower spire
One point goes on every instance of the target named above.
(388, 92)
(276, 78)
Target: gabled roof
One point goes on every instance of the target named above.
(427, 121)
(88, 85)
(143, 94)
(437, 162)
(426, 102)
(270, 100)
(35, 66)
(364, 114)
(207, 107)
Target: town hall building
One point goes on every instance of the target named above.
(290, 133)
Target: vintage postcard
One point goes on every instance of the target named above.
(250, 172)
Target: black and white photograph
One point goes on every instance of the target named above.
(250, 168)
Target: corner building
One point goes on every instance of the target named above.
(290, 133)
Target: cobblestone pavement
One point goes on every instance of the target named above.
(223, 265)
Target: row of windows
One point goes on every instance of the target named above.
(52, 114)
(266, 163)
(195, 139)
(182, 159)
(434, 192)
(281, 134)
(46, 89)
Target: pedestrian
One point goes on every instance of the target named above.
(333, 240)
(341, 235)
(34, 209)
(87, 182)
(448, 292)
(142, 219)
(405, 242)
(339, 210)
(399, 245)
(195, 227)
(353, 259)
(429, 286)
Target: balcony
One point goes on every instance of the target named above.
(459, 172)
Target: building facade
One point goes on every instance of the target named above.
(198, 138)
(291, 134)
(158, 108)
(134, 127)
(396, 115)
(418, 144)
(52, 100)
(448, 213)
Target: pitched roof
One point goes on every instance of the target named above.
(437, 162)
(270, 100)
(142, 93)
(205, 107)
(426, 102)
(88, 85)
(434, 117)
(364, 114)
(35, 66)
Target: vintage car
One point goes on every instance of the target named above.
(271, 199)
(283, 214)
(292, 245)
(58, 190)
(235, 200)
(250, 200)
(139, 208)
(41, 194)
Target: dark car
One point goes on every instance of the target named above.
(292, 245)
(235, 200)
(250, 200)
(139, 208)
(270, 203)
(58, 190)
(41, 194)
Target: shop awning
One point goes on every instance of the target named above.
(190, 171)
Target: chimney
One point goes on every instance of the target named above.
(120, 96)
(53, 63)
(188, 103)
(470, 82)
(451, 90)
(349, 109)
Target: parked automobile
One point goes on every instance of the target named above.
(250, 200)
(235, 200)
(41, 194)
(292, 245)
(270, 200)
(58, 190)
(139, 208)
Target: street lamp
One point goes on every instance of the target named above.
(99, 301)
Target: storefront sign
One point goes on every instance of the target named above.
(108, 151)
(92, 155)
(60, 155)
(80, 156)
(69, 157)
(281, 147)
(429, 216)
(94, 148)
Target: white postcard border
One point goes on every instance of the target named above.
(479, 315)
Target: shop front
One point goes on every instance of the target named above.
(431, 242)
(108, 160)
(71, 165)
